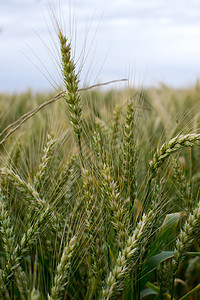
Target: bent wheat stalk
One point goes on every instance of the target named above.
(19, 122)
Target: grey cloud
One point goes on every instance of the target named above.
(150, 34)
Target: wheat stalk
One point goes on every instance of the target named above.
(116, 127)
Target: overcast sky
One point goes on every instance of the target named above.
(148, 41)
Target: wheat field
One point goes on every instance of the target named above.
(99, 192)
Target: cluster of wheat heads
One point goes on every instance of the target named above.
(99, 222)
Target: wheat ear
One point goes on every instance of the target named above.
(27, 240)
(127, 258)
(130, 157)
(99, 150)
(184, 187)
(62, 271)
(6, 228)
(71, 82)
(115, 205)
(103, 127)
(179, 142)
(24, 187)
(43, 167)
(7, 234)
(89, 199)
(22, 283)
(94, 224)
(185, 239)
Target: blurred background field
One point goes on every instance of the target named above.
(159, 115)
(166, 111)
